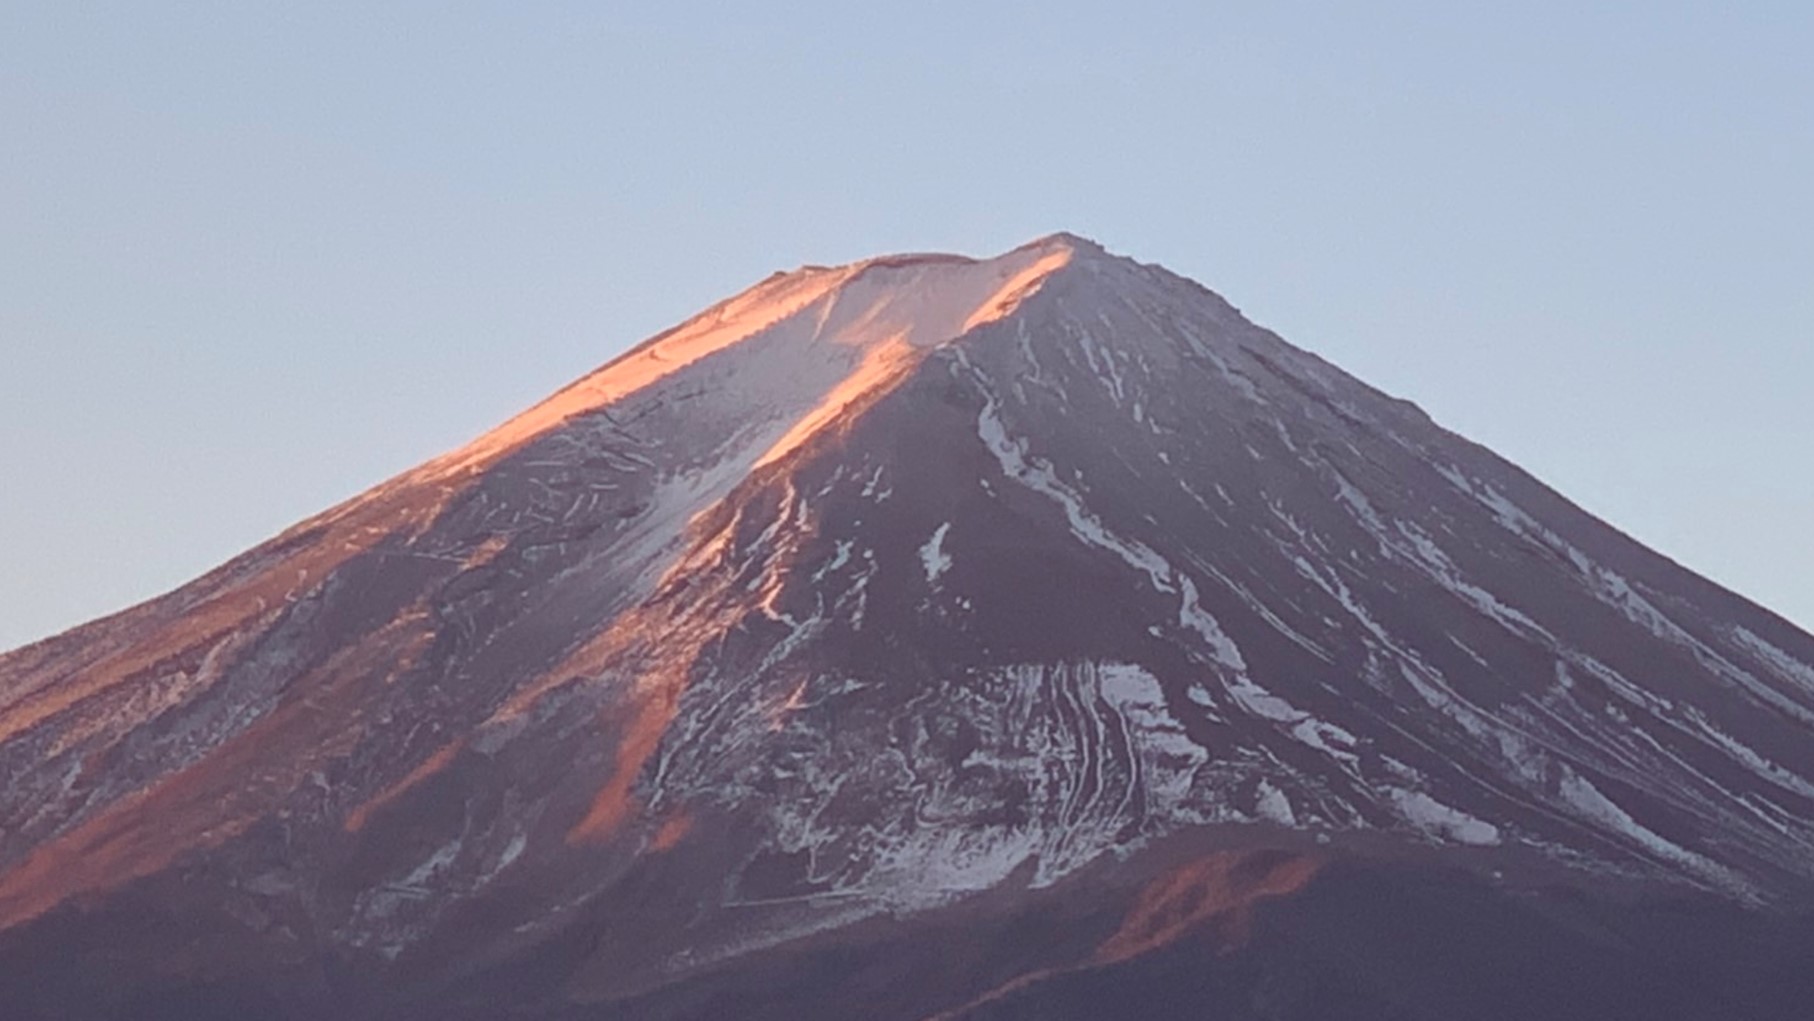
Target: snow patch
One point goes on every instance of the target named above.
(933, 556)
(1442, 821)
(1590, 804)
(1785, 665)
(1273, 806)
(1304, 728)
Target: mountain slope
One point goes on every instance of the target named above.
(917, 589)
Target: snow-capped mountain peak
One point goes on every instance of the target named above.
(817, 338)
(918, 589)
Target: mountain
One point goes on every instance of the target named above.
(1030, 637)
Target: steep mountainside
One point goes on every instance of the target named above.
(924, 637)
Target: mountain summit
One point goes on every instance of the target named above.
(925, 637)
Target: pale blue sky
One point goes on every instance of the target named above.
(256, 257)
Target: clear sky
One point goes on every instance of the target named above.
(256, 257)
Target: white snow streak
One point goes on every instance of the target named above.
(933, 556)
(1443, 821)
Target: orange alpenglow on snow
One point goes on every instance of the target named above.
(830, 335)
